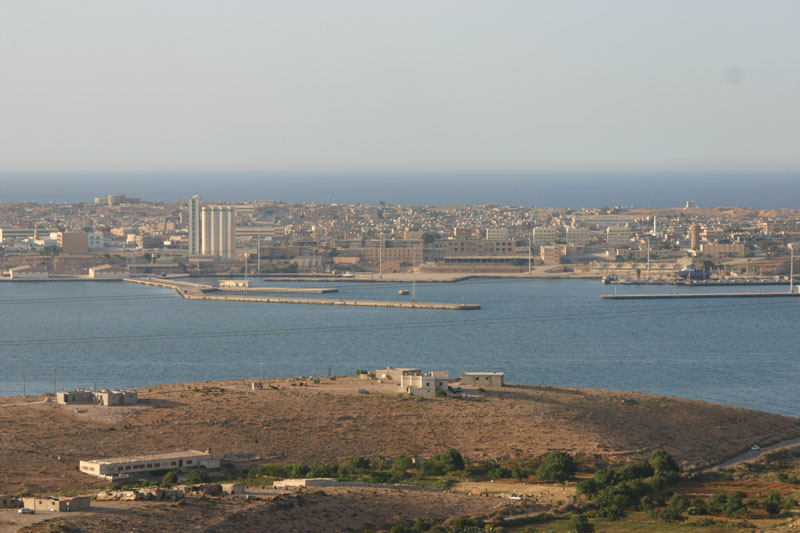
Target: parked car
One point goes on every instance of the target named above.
(25, 510)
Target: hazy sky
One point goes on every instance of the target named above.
(185, 85)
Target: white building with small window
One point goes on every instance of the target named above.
(122, 467)
(482, 379)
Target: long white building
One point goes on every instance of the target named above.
(218, 231)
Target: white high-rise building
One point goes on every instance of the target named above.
(194, 224)
(218, 231)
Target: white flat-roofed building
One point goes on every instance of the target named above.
(120, 467)
(493, 234)
(28, 272)
(542, 235)
(235, 283)
(483, 379)
(425, 384)
(96, 240)
(618, 236)
(108, 272)
(578, 236)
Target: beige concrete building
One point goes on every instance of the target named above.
(73, 243)
(104, 397)
(545, 235)
(9, 502)
(716, 251)
(618, 236)
(496, 234)
(475, 248)
(121, 467)
(425, 385)
(578, 235)
(394, 374)
(235, 283)
(61, 504)
(28, 272)
(413, 255)
(551, 255)
(108, 272)
(482, 379)
(234, 488)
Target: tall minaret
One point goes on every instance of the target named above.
(36, 232)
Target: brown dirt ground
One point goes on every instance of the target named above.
(330, 510)
(41, 443)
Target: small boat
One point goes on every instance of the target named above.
(608, 279)
(402, 292)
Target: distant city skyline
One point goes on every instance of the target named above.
(206, 85)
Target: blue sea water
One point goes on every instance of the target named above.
(759, 190)
(556, 332)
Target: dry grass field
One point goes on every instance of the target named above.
(41, 443)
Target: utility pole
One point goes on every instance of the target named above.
(24, 385)
(530, 254)
(258, 253)
(55, 374)
(261, 370)
(791, 269)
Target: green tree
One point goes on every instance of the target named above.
(402, 463)
(197, 476)
(428, 238)
(773, 503)
(298, 470)
(663, 463)
(580, 524)
(556, 466)
(169, 479)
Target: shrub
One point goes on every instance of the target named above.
(580, 524)
(323, 470)
(197, 476)
(519, 472)
(663, 463)
(447, 461)
(670, 514)
(679, 501)
(169, 479)
(605, 477)
(271, 470)
(772, 503)
(556, 466)
(496, 471)
(636, 470)
(440, 393)
(401, 463)
(298, 470)
(355, 465)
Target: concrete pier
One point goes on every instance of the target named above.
(277, 290)
(194, 291)
(698, 295)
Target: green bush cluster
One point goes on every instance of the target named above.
(729, 504)
(615, 490)
(556, 466)
(448, 461)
